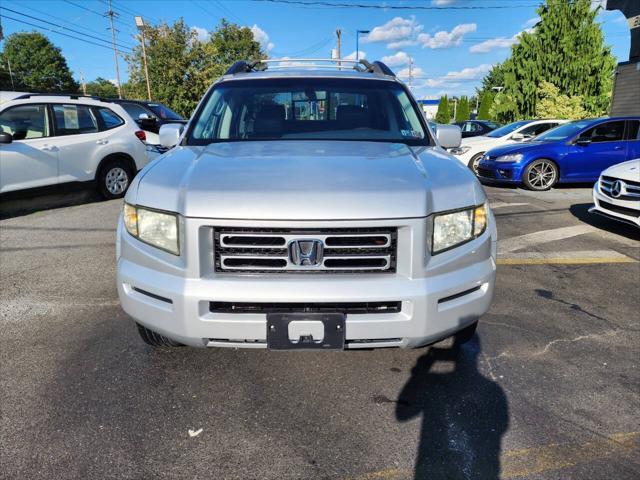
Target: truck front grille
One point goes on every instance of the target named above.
(292, 307)
(341, 250)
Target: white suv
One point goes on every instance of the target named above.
(306, 208)
(53, 139)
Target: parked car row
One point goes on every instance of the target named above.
(50, 139)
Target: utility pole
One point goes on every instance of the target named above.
(410, 72)
(13, 87)
(140, 25)
(111, 14)
(338, 34)
(84, 85)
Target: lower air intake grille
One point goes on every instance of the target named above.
(335, 250)
(348, 307)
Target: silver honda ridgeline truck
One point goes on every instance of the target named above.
(306, 207)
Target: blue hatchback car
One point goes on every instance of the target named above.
(573, 152)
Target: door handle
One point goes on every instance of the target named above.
(618, 147)
(102, 141)
(48, 148)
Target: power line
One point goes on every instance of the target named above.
(321, 3)
(53, 31)
(62, 27)
(126, 25)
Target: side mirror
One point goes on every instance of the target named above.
(6, 137)
(144, 116)
(170, 134)
(449, 136)
(518, 137)
(583, 142)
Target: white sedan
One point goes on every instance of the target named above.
(472, 148)
(617, 193)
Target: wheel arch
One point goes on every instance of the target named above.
(128, 159)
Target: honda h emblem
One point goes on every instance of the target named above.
(306, 252)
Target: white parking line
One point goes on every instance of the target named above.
(544, 236)
(495, 205)
(568, 258)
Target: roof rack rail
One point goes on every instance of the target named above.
(243, 66)
(72, 96)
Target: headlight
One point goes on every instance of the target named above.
(512, 157)
(455, 228)
(460, 150)
(159, 229)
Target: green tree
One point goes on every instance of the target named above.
(485, 105)
(101, 87)
(443, 114)
(181, 67)
(503, 108)
(552, 104)
(37, 65)
(567, 49)
(494, 80)
(462, 112)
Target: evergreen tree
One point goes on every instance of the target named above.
(485, 105)
(462, 112)
(443, 115)
(37, 65)
(566, 49)
(101, 87)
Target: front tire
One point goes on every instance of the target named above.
(466, 334)
(474, 162)
(155, 339)
(540, 175)
(114, 178)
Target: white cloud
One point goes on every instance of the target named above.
(442, 3)
(398, 59)
(262, 38)
(531, 22)
(352, 55)
(396, 32)
(493, 43)
(453, 79)
(202, 33)
(444, 39)
(415, 72)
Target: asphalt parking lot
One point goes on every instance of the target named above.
(549, 388)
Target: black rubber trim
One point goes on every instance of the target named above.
(458, 295)
(153, 295)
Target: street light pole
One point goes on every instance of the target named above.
(140, 25)
(358, 32)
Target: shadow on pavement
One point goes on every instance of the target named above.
(581, 212)
(464, 415)
(19, 204)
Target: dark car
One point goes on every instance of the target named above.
(150, 116)
(475, 128)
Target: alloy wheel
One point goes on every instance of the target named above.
(116, 180)
(541, 175)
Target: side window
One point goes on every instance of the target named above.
(135, 110)
(109, 119)
(74, 119)
(25, 122)
(634, 130)
(605, 132)
(535, 130)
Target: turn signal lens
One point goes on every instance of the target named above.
(479, 220)
(131, 219)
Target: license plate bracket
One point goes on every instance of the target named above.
(278, 331)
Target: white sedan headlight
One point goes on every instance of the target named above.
(455, 228)
(512, 157)
(159, 229)
(459, 150)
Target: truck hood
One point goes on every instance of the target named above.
(306, 180)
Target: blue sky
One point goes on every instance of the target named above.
(451, 48)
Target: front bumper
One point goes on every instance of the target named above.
(499, 172)
(439, 295)
(627, 211)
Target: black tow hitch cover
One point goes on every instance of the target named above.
(278, 331)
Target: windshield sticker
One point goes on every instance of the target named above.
(411, 133)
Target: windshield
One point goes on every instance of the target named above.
(308, 109)
(563, 131)
(163, 112)
(507, 129)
